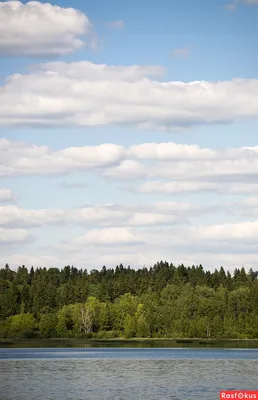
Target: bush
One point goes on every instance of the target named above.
(107, 335)
(19, 326)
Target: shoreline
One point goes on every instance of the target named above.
(122, 340)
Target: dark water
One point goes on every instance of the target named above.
(124, 374)
(149, 343)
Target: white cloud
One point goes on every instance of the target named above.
(12, 236)
(210, 236)
(18, 158)
(244, 232)
(177, 187)
(37, 261)
(114, 236)
(145, 218)
(13, 216)
(127, 169)
(183, 152)
(6, 195)
(85, 94)
(109, 214)
(247, 207)
(172, 151)
(35, 29)
(164, 167)
(179, 168)
(231, 245)
(102, 214)
(137, 258)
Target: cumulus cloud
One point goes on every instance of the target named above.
(197, 187)
(247, 207)
(13, 236)
(204, 235)
(109, 214)
(172, 151)
(231, 244)
(85, 94)
(15, 260)
(143, 228)
(19, 158)
(165, 167)
(114, 236)
(137, 258)
(36, 29)
(243, 232)
(179, 168)
(6, 195)
(13, 216)
(210, 236)
(129, 169)
(175, 151)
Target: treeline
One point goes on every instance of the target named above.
(163, 301)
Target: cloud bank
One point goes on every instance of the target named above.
(148, 168)
(84, 94)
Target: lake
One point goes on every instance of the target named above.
(125, 373)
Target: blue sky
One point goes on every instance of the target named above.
(66, 196)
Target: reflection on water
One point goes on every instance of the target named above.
(124, 374)
(169, 343)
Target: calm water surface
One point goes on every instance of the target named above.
(124, 374)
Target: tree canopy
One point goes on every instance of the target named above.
(162, 301)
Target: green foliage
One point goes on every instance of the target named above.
(163, 301)
(142, 326)
(65, 322)
(130, 326)
(19, 326)
(47, 325)
(106, 335)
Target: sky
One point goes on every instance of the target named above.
(129, 133)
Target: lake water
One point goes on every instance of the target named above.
(124, 373)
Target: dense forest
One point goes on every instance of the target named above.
(162, 301)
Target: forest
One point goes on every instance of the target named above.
(163, 301)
